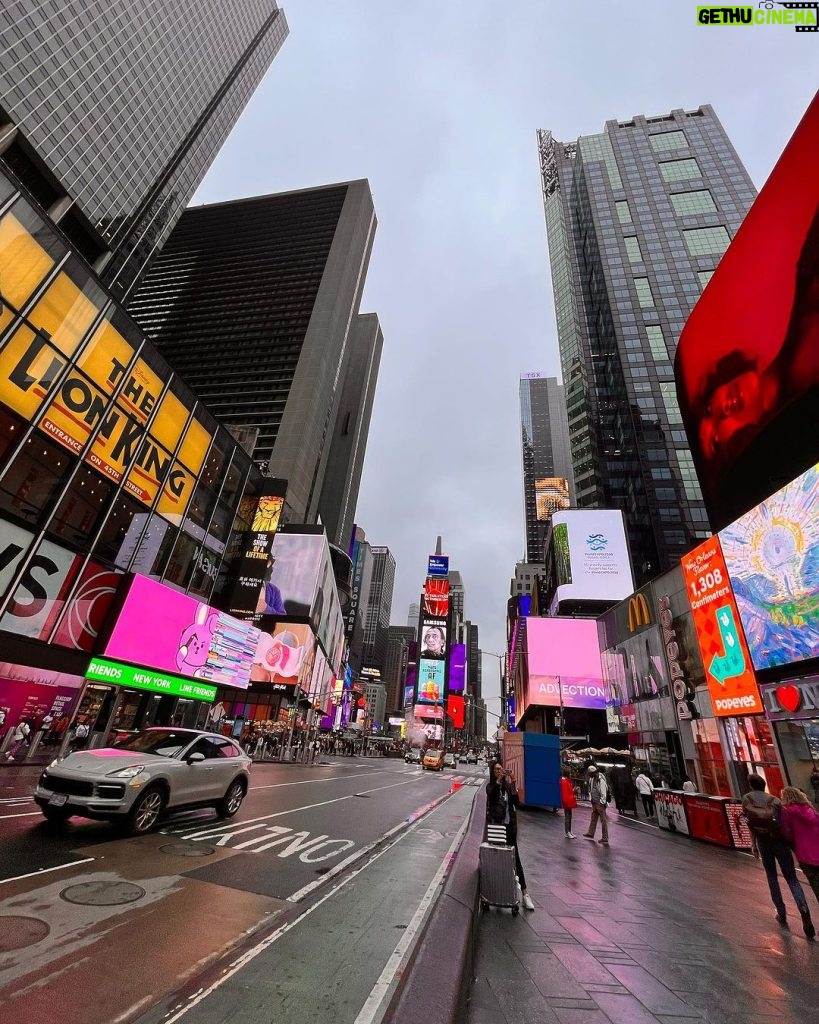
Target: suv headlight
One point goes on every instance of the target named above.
(127, 773)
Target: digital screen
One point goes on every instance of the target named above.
(772, 555)
(285, 655)
(591, 555)
(457, 668)
(430, 681)
(746, 371)
(160, 628)
(433, 640)
(455, 708)
(436, 597)
(291, 576)
(563, 657)
(438, 565)
(725, 657)
(409, 695)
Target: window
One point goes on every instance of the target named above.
(644, 292)
(657, 342)
(623, 211)
(669, 395)
(667, 141)
(706, 241)
(704, 277)
(689, 204)
(680, 170)
(633, 250)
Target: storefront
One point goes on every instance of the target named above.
(792, 706)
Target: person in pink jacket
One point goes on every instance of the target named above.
(799, 825)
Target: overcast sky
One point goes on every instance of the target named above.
(436, 103)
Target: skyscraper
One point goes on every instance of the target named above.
(377, 604)
(457, 595)
(111, 111)
(414, 616)
(548, 481)
(255, 302)
(394, 672)
(637, 219)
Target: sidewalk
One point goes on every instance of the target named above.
(654, 928)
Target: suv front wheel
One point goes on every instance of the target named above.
(145, 812)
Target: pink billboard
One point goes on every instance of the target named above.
(160, 628)
(29, 694)
(563, 658)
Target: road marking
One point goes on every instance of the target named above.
(266, 943)
(16, 800)
(27, 814)
(371, 1010)
(249, 823)
(312, 782)
(43, 871)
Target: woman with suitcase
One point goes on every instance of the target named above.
(501, 803)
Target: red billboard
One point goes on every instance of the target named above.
(747, 363)
(728, 668)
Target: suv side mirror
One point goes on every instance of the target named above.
(195, 757)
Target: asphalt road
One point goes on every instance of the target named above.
(202, 887)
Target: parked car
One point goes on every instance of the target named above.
(413, 756)
(472, 757)
(450, 760)
(434, 760)
(138, 779)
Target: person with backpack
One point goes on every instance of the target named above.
(600, 796)
(568, 798)
(19, 739)
(762, 811)
(645, 787)
(799, 825)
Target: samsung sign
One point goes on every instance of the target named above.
(438, 565)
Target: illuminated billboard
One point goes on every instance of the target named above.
(772, 555)
(551, 495)
(725, 657)
(291, 577)
(72, 387)
(457, 668)
(591, 556)
(746, 368)
(160, 628)
(438, 565)
(430, 681)
(284, 656)
(436, 597)
(250, 568)
(563, 658)
(433, 639)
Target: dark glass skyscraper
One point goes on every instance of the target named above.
(255, 302)
(637, 220)
(111, 111)
(377, 604)
(548, 482)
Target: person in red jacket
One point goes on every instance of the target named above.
(799, 825)
(569, 801)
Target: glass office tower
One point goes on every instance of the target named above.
(111, 111)
(548, 483)
(637, 219)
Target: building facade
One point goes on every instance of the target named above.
(111, 111)
(396, 659)
(548, 481)
(637, 219)
(377, 605)
(256, 303)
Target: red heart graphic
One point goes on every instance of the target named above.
(789, 697)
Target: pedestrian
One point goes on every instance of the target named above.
(814, 783)
(762, 811)
(568, 798)
(19, 739)
(501, 803)
(645, 787)
(81, 732)
(599, 796)
(799, 824)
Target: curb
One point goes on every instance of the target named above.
(435, 986)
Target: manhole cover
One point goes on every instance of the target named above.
(19, 932)
(188, 849)
(102, 894)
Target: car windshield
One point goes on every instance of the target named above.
(164, 742)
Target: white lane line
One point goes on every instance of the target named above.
(27, 814)
(312, 782)
(373, 1007)
(223, 827)
(266, 943)
(16, 799)
(43, 871)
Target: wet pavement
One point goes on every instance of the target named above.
(654, 928)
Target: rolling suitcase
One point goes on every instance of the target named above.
(498, 882)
